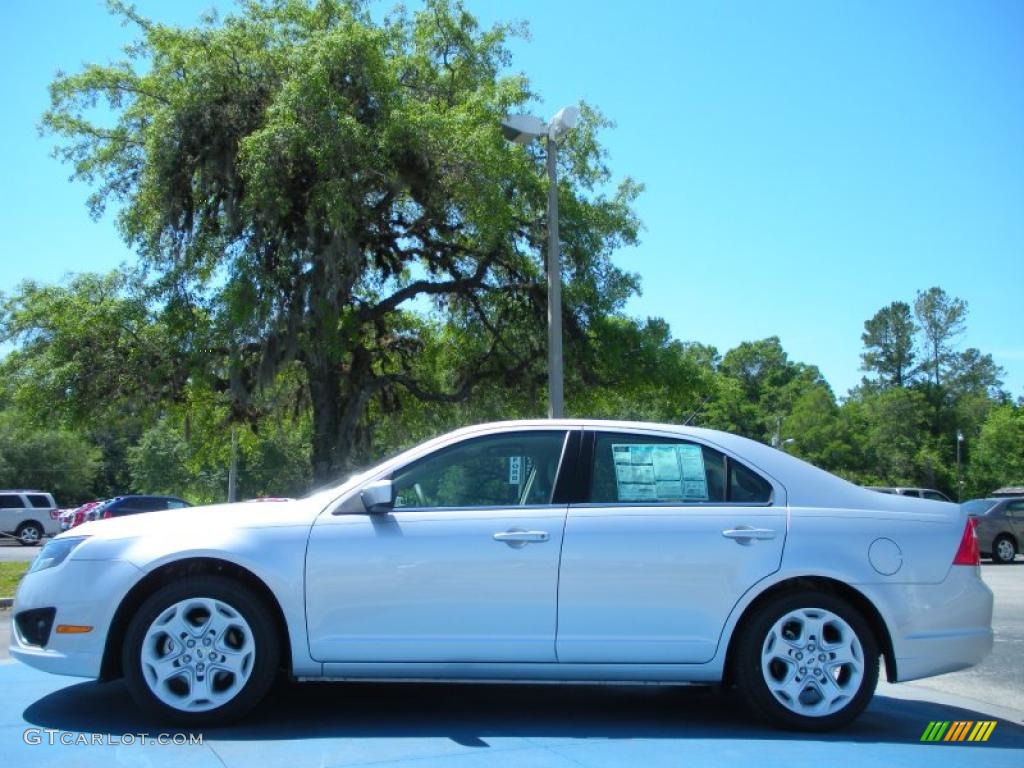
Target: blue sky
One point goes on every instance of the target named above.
(806, 163)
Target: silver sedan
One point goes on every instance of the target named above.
(537, 550)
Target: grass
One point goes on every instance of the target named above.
(10, 574)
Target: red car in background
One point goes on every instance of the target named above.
(70, 518)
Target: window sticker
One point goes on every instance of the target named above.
(659, 472)
(515, 470)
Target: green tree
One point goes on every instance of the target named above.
(86, 350)
(639, 371)
(997, 456)
(889, 344)
(92, 357)
(941, 318)
(820, 435)
(159, 461)
(53, 460)
(761, 386)
(298, 176)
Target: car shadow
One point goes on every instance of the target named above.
(470, 714)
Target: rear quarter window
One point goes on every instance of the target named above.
(38, 500)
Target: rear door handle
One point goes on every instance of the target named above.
(519, 539)
(744, 534)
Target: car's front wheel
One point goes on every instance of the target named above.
(201, 651)
(1004, 550)
(806, 660)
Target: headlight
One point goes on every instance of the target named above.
(55, 553)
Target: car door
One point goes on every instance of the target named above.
(12, 512)
(464, 568)
(671, 534)
(1015, 520)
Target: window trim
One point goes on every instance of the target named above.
(587, 469)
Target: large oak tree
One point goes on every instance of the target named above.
(298, 178)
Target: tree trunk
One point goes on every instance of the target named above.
(339, 405)
(325, 394)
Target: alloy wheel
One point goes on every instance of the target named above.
(1005, 550)
(812, 662)
(198, 654)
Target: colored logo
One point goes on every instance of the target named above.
(958, 730)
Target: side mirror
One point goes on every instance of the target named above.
(378, 496)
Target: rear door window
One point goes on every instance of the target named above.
(130, 507)
(11, 501)
(641, 469)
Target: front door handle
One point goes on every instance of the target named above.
(744, 534)
(518, 538)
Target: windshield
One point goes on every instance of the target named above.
(979, 506)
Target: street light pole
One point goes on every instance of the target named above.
(556, 376)
(522, 129)
(959, 481)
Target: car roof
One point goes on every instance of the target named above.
(145, 496)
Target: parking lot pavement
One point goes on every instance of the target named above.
(467, 726)
(12, 551)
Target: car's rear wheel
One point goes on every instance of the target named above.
(29, 534)
(201, 651)
(1004, 550)
(807, 661)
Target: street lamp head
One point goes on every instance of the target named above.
(563, 122)
(522, 129)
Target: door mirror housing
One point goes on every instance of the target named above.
(378, 497)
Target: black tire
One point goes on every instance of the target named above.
(240, 598)
(30, 534)
(1008, 553)
(753, 640)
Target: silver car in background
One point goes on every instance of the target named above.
(1000, 526)
(28, 516)
(555, 550)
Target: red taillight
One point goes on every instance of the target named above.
(53, 514)
(968, 553)
(105, 515)
(79, 516)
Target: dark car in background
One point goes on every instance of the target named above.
(133, 505)
(1000, 526)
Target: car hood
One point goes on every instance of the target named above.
(239, 515)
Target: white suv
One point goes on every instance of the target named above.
(28, 515)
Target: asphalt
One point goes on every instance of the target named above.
(13, 552)
(474, 726)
